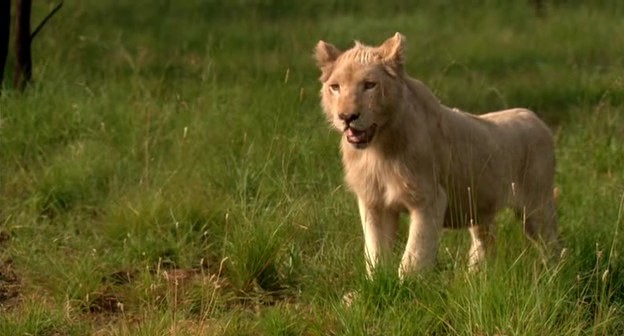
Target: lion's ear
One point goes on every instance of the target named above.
(325, 54)
(391, 50)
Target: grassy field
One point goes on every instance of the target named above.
(170, 171)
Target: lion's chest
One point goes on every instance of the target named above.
(381, 182)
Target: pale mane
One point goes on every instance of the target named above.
(361, 53)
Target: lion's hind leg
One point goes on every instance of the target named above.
(540, 225)
(483, 237)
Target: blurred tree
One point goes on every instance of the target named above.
(23, 40)
(539, 6)
(5, 27)
(23, 59)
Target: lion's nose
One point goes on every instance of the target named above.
(348, 117)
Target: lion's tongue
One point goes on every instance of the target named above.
(355, 135)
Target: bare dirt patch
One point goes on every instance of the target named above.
(9, 281)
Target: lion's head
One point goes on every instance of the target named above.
(361, 87)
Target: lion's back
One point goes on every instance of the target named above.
(519, 122)
(529, 143)
(499, 152)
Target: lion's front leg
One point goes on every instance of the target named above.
(380, 227)
(426, 223)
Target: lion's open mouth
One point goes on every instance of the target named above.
(360, 138)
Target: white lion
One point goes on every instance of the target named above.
(403, 151)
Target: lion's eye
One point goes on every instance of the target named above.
(369, 85)
(335, 88)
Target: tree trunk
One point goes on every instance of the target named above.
(540, 7)
(5, 28)
(23, 65)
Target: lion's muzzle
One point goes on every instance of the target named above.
(360, 138)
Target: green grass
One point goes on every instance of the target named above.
(170, 172)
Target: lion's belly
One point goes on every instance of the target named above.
(469, 204)
(456, 218)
